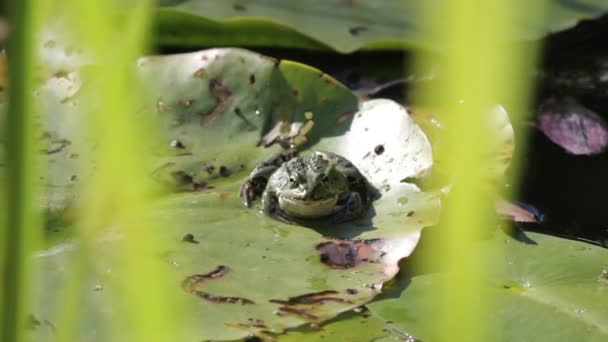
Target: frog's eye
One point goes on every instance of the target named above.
(292, 180)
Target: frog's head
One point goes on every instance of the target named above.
(309, 186)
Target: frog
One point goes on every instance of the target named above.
(320, 186)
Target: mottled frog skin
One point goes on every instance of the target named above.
(323, 185)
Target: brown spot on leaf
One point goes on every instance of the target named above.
(57, 146)
(253, 339)
(256, 322)
(283, 310)
(209, 168)
(182, 177)
(349, 253)
(200, 73)
(189, 238)
(239, 7)
(199, 186)
(356, 30)
(222, 95)
(295, 92)
(311, 298)
(191, 284)
(410, 214)
(303, 305)
(222, 299)
(224, 171)
(218, 272)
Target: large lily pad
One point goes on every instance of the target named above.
(344, 26)
(542, 287)
(236, 271)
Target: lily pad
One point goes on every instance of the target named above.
(541, 288)
(238, 272)
(344, 26)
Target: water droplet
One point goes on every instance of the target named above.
(257, 112)
(526, 284)
(402, 200)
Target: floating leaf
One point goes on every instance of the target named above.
(237, 271)
(545, 288)
(344, 26)
(572, 126)
(518, 212)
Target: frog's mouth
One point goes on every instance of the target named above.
(308, 208)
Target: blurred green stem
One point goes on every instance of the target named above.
(21, 229)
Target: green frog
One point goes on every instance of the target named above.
(323, 185)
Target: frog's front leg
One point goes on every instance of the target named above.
(255, 184)
(270, 206)
(349, 207)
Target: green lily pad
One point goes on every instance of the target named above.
(344, 26)
(540, 288)
(237, 271)
(359, 325)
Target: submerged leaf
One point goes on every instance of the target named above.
(572, 126)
